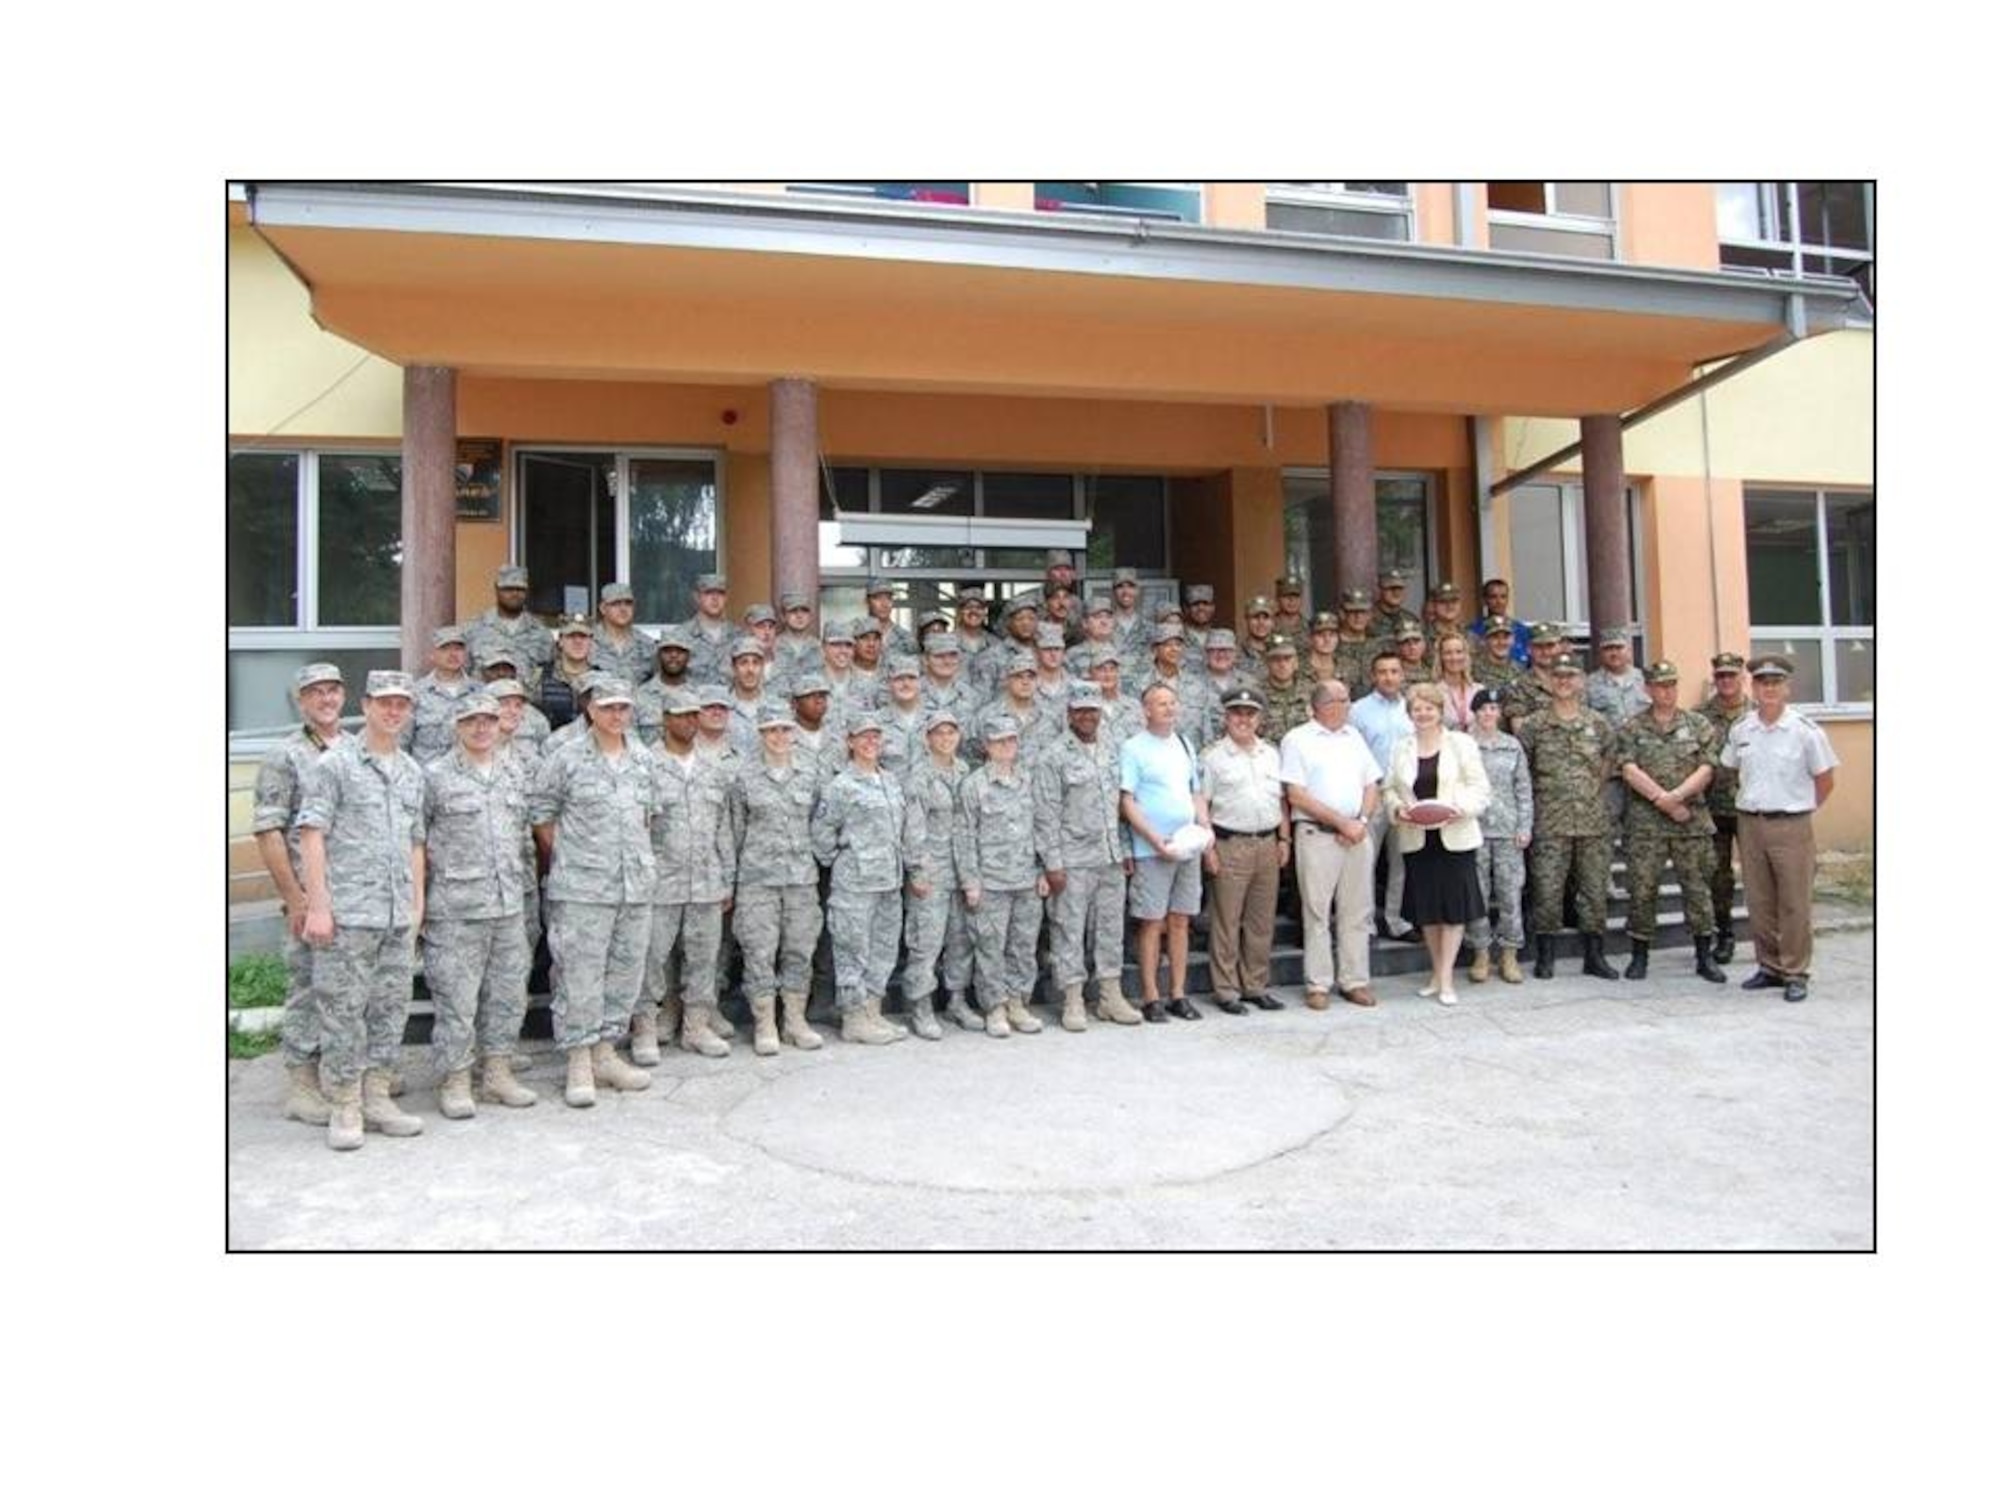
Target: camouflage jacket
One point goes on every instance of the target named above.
(1527, 694)
(1669, 755)
(1076, 804)
(600, 809)
(473, 825)
(1568, 760)
(708, 654)
(1617, 698)
(930, 822)
(996, 831)
(523, 636)
(281, 781)
(857, 831)
(1512, 810)
(635, 661)
(433, 730)
(693, 843)
(1722, 790)
(370, 810)
(770, 817)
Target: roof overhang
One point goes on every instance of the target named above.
(647, 282)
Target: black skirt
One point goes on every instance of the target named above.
(1441, 886)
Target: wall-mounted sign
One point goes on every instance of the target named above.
(479, 479)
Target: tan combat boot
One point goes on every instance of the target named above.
(858, 1025)
(1072, 1015)
(455, 1096)
(614, 1072)
(305, 1103)
(996, 1020)
(646, 1037)
(1020, 1017)
(874, 1005)
(957, 1010)
(379, 1111)
(1112, 1004)
(498, 1085)
(720, 1024)
(1482, 966)
(1510, 967)
(924, 1021)
(698, 1032)
(764, 1018)
(669, 1023)
(580, 1087)
(396, 1084)
(797, 1030)
(343, 1127)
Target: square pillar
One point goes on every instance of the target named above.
(430, 509)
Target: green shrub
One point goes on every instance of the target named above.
(251, 1044)
(258, 980)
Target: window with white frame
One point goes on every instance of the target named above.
(315, 556)
(1553, 218)
(1547, 540)
(1122, 200)
(1362, 210)
(1792, 228)
(1811, 560)
(1402, 532)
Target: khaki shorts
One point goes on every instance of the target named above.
(1159, 886)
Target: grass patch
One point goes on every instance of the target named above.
(245, 1044)
(257, 981)
(1846, 876)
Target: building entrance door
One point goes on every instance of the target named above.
(649, 518)
(569, 529)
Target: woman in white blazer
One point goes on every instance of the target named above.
(1441, 892)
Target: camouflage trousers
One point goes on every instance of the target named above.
(361, 988)
(300, 1031)
(1722, 869)
(1646, 856)
(1092, 906)
(866, 927)
(1503, 870)
(599, 951)
(934, 929)
(1551, 857)
(1005, 925)
(683, 955)
(777, 927)
(477, 973)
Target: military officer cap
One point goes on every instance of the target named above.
(1565, 664)
(389, 685)
(1663, 671)
(506, 687)
(1483, 697)
(501, 658)
(316, 671)
(1351, 599)
(836, 632)
(1324, 621)
(511, 578)
(791, 599)
(810, 683)
(1257, 606)
(1047, 636)
(942, 644)
(678, 701)
(1409, 630)
(760, 614)
(1770, 666)
(1003, 727)
(864, 723)
(1289, 586)
(1544, 633)
(1613, 638)
(1198, 593)
(1168, 632)
(1059, 557)
(1391, 578)
(1098, 604)
(448, 635)
(474, 704)
(746, 645)
(1124, 575)
(937, 718)
(1243, 698)
(573, 625)
(710, 582)
(611, 690)
(1445, 590)
(713, 696)
(1281, 645)
(1725, 661)
(675, 638)
(1015, 605)
(1018, 661)
(1501, 623)
(1085, 695)
(879, 586)
(904, 666)
(616, 593)
(1220, 640)
(775, 716)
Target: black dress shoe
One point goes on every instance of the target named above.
(1763, 979)
(1265, 1002)
(1152, 1010)
(1184, 1008)
(1795, 990)
(1230, 1007)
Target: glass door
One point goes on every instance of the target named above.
(569, 529)
(587, 518)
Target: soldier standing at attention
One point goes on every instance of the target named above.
(1667, 757)
(1120, 719)
(970, 629)
(559, 696)
(934, 925)
(1507, 827)
(361, 838)
(1257, 628)
(1534, 690)
(592, 802)
(508, 626)
(903, 717)
(1287, 699)
(1198, 612)
(696, 856)
(996, 861)
(281, 779)
(1128, 625)
(1389, 616)
(476, 953)
(778, 917)
(709, 632)
(430, 732)
(1290, 619)
(521, 758)
(1728, 704)
(943, 686)
(896, 639)
(1410, 647)
(1082, 842)
(857, 833)
(1355, 646)
(1018, 699)
(615, 646)
(1493, 663)
(1616, 689)
(1570, 750)
(670, 675)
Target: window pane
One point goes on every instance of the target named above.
(1039, 497)
(1550, 241)
(1535, 543)
(1017, 559)
(1737, 210)
(360, 538)
(1808, 673)
(1399, 531)
(1767, 260)
(672, 518)
(260, 682)
(903, 192)
(1128, 522)
(1518, 197)
(1834, 213)
(263, 539)
(1128, 200)
(1310, 218)
(849, 493)
(1590, 198)
(1850, 545)
(1400, 534)
(1854, 671)
(1782, 537)
(926, 492)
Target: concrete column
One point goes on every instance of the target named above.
(430, 509)
(1351, 460)
(795, 487)
(1607, 540)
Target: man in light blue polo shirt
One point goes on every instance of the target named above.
(1160, 793)
(1383, 719)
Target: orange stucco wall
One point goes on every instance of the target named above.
(1435, 225)
(1018, 197)
(1257, 539)
(1848, 819)
(1233, 205)
(1668, 224)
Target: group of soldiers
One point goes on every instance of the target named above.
(720, 795)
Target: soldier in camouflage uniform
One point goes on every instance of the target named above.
(1098, 630)
(531, 726)
(1017, 700)
(1257, 630)
(968, 629)
(1319, 651)
(1289, 620)
(997, 872)
(1410, 646)
(710, 635)
(1190, 692)
(798, 648)
(361, 834)
(1616, 689)
(1220, 678)
(1198, 613)
(1287, 700)
(903, 717)
(1121, 716)
(1728, 704)
(934, 925)
(616, 647)
(695, 851)
(1018, 620)
(944, 684)
(430, 733)
(1441, 610)
(521, 758)
(1534, 690)
(1668, 756)
(1082, 841)
(1389, 615)
(476, 953)
(747, 694)
(857, 834)
(670, 675)
(870, 685)
(281, 777)
(1570, 749)
(509, 627)
(1128, 624)
(1354, 648)
(896, 639)
(778, 917)
(591, 805)
(1508, 827)
(1493, 663)
(850, 692)
(819, 742)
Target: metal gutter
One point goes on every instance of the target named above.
(635, 214)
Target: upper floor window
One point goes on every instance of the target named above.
(1790, 228)
(1553, 218)
(1367, 210)
(1168, 201)
(959, 193)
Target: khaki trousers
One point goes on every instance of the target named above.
(1341, 877)
(1778, 863)
(1245, 910)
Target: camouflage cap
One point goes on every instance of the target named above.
(1725, 661)
(1288, 586)
(809, 683)
(1663, 671)
(865, 722)
(448, 635)
(1258, 606)
(1565, 665)
(675, 638)
(905, 666)
(1049, 637)
(1613, 638)
(1170, 631)
(574, 625)
(1166, 611)
(1352, 599)
(1409, 630)
(792, 599)
(1545, 633)
(1503, 624)
(316, 671)
(1770, 666)
(511, 578)
(705, 583)
(1391, 578)
(1219, 640)
(935, 618)
(616, 593)
(775, 716)
(590, 682)
(1324, 620)
(836, 633)
(1018, 603)
(1281, 645)
(760, 614)
(475, 704)
(389, 685)
(969, 595)
(1242, 697)
(1060, 557)
(1003, 727)
(678, 701)
(1017, 660)
(1101, 656)
(745, 645)
(942, 644)
(1445, 590)
(611, 691)
(1099, 604)
(501, 658)
(878, 586)
(1124, 575)
(1085, 695)
(714, 695)
(506, 687)
(937, 718)
(865, 625)
(1198, 593)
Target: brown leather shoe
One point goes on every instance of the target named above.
(1359, 995)
(1315, 999)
